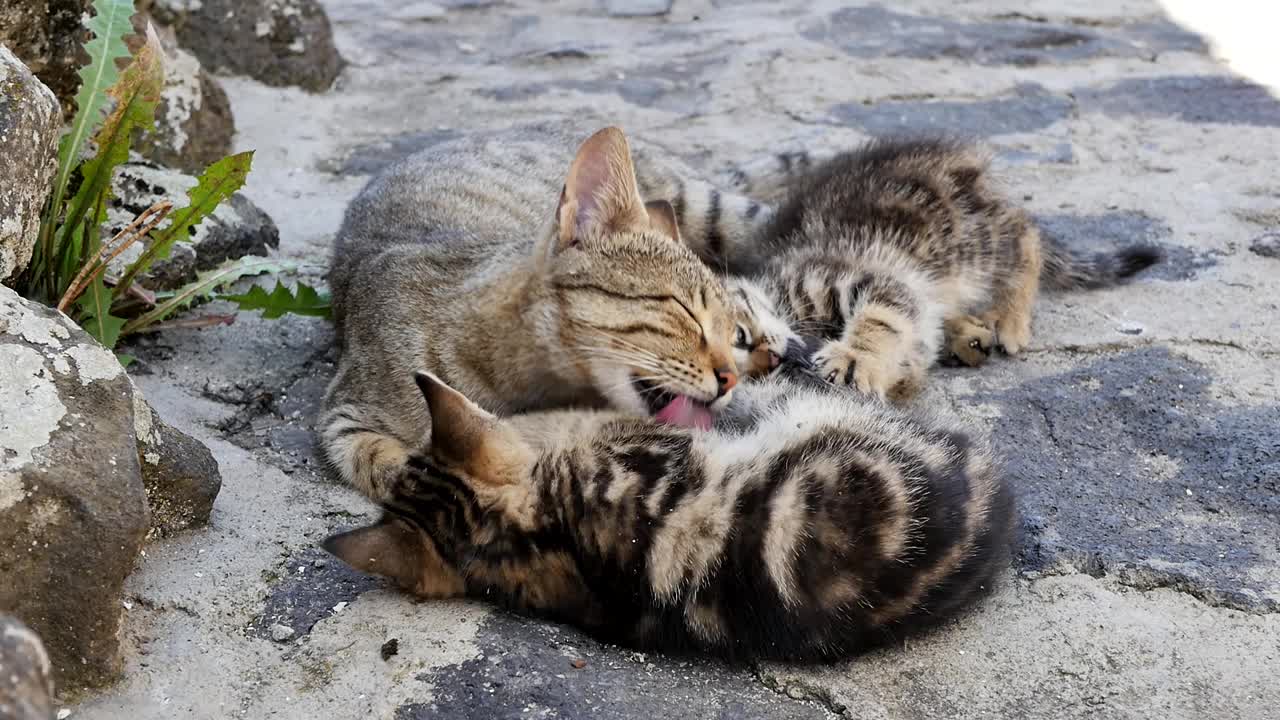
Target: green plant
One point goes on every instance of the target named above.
(70, 267)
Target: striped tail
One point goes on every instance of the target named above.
(768, 178)
(1066, 269)
(722, 228)
(366, 457)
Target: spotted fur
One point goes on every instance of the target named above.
(811, 525)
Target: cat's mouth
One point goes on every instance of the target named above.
(673, 408)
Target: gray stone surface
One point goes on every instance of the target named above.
(30, 121)
(282, 42)
(237, 228)
(194, 125)
(73, 512)
(26, 676)
(179, 474)
(47, 36)
(1128, 599)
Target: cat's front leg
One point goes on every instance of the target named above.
(880, 350)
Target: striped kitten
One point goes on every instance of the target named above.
(901, 251)
(820, 526)
(483, 262)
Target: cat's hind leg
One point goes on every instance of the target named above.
(1015, 298)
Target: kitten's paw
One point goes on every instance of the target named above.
(840, 364)
(1012, 337)
(969, 342)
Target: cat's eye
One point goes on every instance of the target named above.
(742, 339)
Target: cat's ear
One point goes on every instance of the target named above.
(390, 548)
(458, 426)
(662, 217)
(601, 190)
(395, 549)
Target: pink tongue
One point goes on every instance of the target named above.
(685, 412)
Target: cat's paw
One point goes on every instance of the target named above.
(870, 372)
(969, 342)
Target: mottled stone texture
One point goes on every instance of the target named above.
(82, 456)
(26, 677)
(280, 42)
(72, 508)
(29, 124)
(47, 35)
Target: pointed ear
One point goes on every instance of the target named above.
(662, 217)
(601, 189)
(390, 548)
(458, 426)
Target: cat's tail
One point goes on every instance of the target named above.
(1067, 269)
(362, 453)
(722, 228)
(768, 177)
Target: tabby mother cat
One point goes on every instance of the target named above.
(524, 288)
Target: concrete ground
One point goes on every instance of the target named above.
(1141, 426)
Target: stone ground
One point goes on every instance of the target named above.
(1141, 425)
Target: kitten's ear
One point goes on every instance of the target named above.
(458, 426)
(662, 217)
(390, 548)
(601, 189)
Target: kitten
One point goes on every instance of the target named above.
(481, 261)
(901, 251)
(818, 525)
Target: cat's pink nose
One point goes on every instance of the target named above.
(726, 379)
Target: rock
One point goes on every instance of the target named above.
(1266, 245)
(81, 457)
(47, 35)
(73, 512)
(278, 42)
(194, 125)
(281, 633)
(26, 677)
(30, 121)
(179, 474)
(235, 229)
(637, 8)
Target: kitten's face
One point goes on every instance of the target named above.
(642, 316)
(652, 324)
(762, 338)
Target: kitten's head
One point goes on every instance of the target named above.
(645, 318)
(762, 337)
(446, 502)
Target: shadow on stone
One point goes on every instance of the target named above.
(308, 588)
(1127, 467)
(527, 669)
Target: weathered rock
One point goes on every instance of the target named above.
(26, 677)
(82, 456)
(236, 228)
(29, 123)
(47, 35)
(279, 42)
(73, 512)
(1266, 245)
(194, 125)
(179, 474)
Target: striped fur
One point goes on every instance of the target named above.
(902, 251)
(814, 525)
(483, 261)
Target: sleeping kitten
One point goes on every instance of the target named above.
(901, 251)
(818, 525)
(483, 262)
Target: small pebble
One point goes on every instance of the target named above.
(467, 48)
(340, 607)
(281, 633)
(578, 664)
(795, 693)
(390, 648)
(319, 562)
(63, 714)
